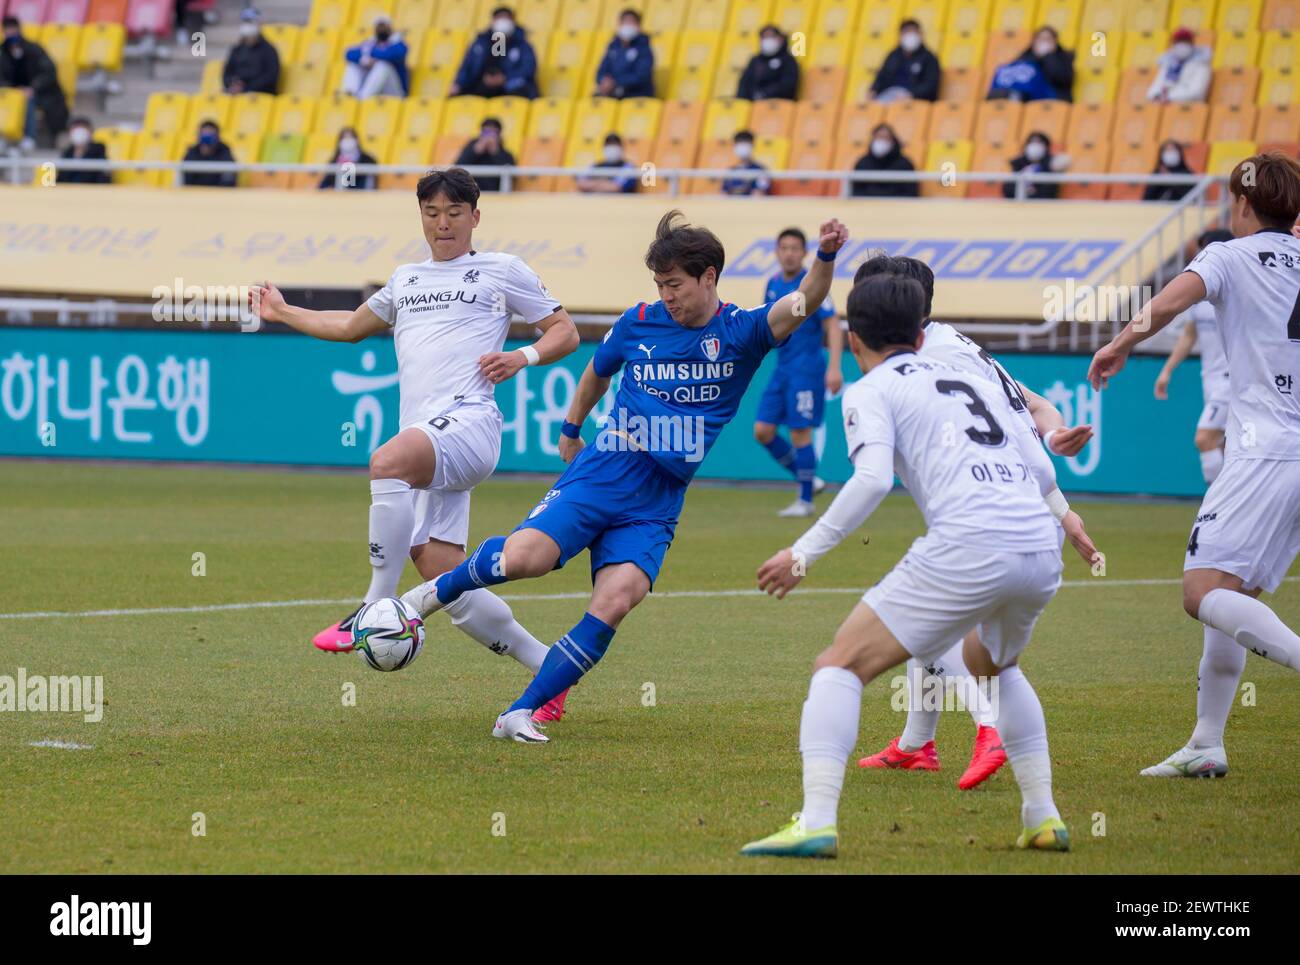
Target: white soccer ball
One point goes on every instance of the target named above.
(388, 634)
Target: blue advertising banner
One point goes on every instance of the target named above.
(103, 393)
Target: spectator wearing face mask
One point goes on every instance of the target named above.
(487, 149)
(26, 65)
(209, 147)
(743, 146)
(253, 65)
(772, 73)
(500, 62)
(1054, 61)
(627, 69)
(1183, 72)
(348, 151)
(377, 66)
(910, 71)
(81, 147)
(611, 157)
(1170, 161)
(1036, 158)
(884, 154)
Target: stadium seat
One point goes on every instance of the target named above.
(1224, 155)
(540, 152)
(637, 121)
(1238, 15)
(1086, 159)
(13, 113)
(1278, 123)
(993, 157)
(549, 120)
(910, 120)
(151, 18)
(724, 117)
(406, 149)
(1096, 86)
(409, 15)
(1143, 49)
(1063, 16)
(965, 84)
(106, 11)
(671, 153)
(828, 50)
(967, 17)
(421, 117)
(101, 47)
(998, 122)
(881, 17)
(364, 12)
(166, 111)
(1279, 50)
(695, 64)
(1183, 123)
(836, 17)
(791, 16)
(249, 114)
(284, 38)
(1104, 53)
(118, 145)
(277, 149)
(330, 13)
(871, 51)
(586, 15)
(206, 107)
(212, 82)
(660, 15)
(707, 15)
(938, 156)
(469, 16)
(1146, 16)
(1279, 87)
(1130, 158)
(593, 118)
(931, 15)
(318, 45)
(579, 152)
(293, 114)
(1137, 123)
(1002, 48)
(377, 118)
(512, 112)
(813, 122)
(303, 79)
(679, 125)
(732, 54)
(62, 41)
(855, 125)
(1236, 48)
(335, 112)
(712, 154)
(1134, 82)
(1280, 15)
(771, 118)
(1090, 124)
(824, 85)
(1101, 16)
(1195, 15)
(64, 11)
(155, 146)
(319, 149)
(664, 47)
(1013, 16)
(1235, 85)
(1050, 117)
(748, 16)
(462, 118)
(962, 50)
(809, 155)
(952, 120)
(773, 153)
(1231, 122)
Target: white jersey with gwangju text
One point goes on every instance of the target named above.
(1254, 285)
(445, 315)
(976, 472)
(942, 341)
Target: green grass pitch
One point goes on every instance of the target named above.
(231, 713)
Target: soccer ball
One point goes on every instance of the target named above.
(388, 634)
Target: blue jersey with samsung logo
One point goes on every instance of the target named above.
(681, 385)
(803, 349)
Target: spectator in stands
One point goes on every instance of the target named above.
(1054, 61)
(1183, 72)
(26, 65)
(500, 62)
(82, 147)
(1036, 158)
(486, 149)
(209, 147)
(884, 154)
(772, 73)
(611, 157)
(743, 145)
(1022, 79)
(1170, 161)
(377, 65)
(910, 71)
(627, 69)
(348, 151)
(253, 65)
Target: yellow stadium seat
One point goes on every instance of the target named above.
(962, 50)
(549, 119)
(1106, 16)
(1090, 124)
(246, 148)
(542, 16)
(747, 16)
(593, 118)
(318, 45)
(101, 47)
(1143, 48)
(952, 120)
(421, 117)
(293, 114)
(377, 118)
(304, 79)
(1195, 15)
(1095, 86)
(1146, 16)
(470, 16)
(61, 41)
(931, 15)
(118, 145)
(1137, 123)
(573, 47)
(1063, 16)
(1013, 16)
(166, 110)
(13, 113)
(213, 80)
(943, 157)
(1279, 87)
(335, 112)
(411, 15)
(330, 13)
(462, 117)
(444, 49)
(999, 121)
(871, 51)
(1049, 116)
(1231, 122)
(512, 112)
(566, 80)
(910, 120)
(1278, 124)
(352, 35)
(664, 46)
(772, 152)
(733, 55)
(1225, 155)
(1236, 48)
(836, 17)
(1002, 48)
(724, 117)
(586, 15)
(829, 50)
(250, 114)
(277, 149)
(206, 107)
(1280, 50)
(967, 16)
(881, 17)
(1280, 15)
(637, 119)
(696, 63)
(1238, 15)
(579, 152)
(661, 15)
(771, 118)
(155, 146)
(318, 149)
(284, 38)
(1107, 52)
(364, 13)
(406, 149)
(793, 17)
(706, 15)
(1235, 85)
(1183, 123)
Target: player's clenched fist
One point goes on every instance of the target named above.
(499, 366)
(265, 301)
(781, 574)
(833, 235)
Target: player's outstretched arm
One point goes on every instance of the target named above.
(269, 304)
(1182, 348)
(834, 354)
(559, 338)
(591, 387)
(1059, 438)
(788, 313)
(1174, 299)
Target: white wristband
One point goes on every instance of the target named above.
(1056, 503)
(530, 354)
(1047, 439)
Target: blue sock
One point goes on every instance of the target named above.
(481, 568)
(781, 451)
(572, 656)
(805, 468)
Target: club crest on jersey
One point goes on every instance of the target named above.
(711, 345)
(411, 280)
(471, 276)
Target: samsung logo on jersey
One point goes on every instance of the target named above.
(434, 298)
(682, 371)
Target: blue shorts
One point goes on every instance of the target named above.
(619, 504)
(793, 398)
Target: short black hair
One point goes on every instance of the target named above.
(913, 268)
(793, 233)
(678, 245)
(613, 138)
(914, 24)
(1214, 234)
(80, 120)
(209, 122)
(491, 122)
(742, 136)
(11, 22)
(629, 12)
(456, 183)
(505, 10)
(886, 309)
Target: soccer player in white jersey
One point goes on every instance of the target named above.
(449, 316)
(914, 748)
(990, 558)
(1247, 530)
(1200, 326)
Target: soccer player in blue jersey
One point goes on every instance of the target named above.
(686, 361)
(805, 372)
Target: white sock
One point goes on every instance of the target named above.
(488, 619)
(1252, 624)
(1211, 464)
(392, 518)
(827, 733)
(1222, 662)
(953, 667)
(1023, 730)
(921, 722)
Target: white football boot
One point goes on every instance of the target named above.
(1191, 762)
(819, 485)
(798, 510)
(518, 725)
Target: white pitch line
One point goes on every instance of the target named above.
(523, 598)
(63, 745)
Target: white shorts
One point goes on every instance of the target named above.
(466, 445)
(1249, 522)
(940, 590)
(1214, 416)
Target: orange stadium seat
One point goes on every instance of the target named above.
(1280, 15)
(1003, 47)
(540, 152)
(964, 84)
(680, 121)
(1136, 123)
(1278, 123)
(1087, 158)
(1134, 158)
(825, 85)
(671, 153)
(1235, 85)
(1183, 122)
(1231, 122)
(106, 11)
(771, 118)
(853, 134)
(1134, 84)
(1050, 117)
(999, 122)
(952, 120)
(992, 157)
(712, 154)
(910, 120)
(814, 121)
(1090, 124)
(811, 155)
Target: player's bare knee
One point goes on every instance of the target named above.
(764, 433)
(800, 438)
(525, 556)
(1193, 593)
